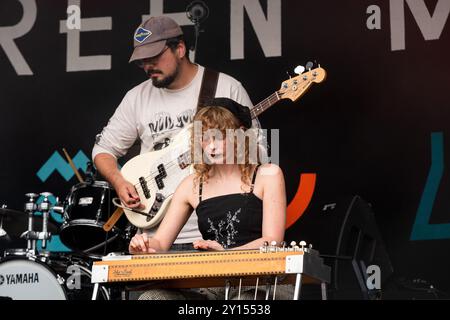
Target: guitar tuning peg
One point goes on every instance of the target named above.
(288, 74)
(273, 246)
(293, 244)
(264, 246)
(309, 65)
(302, 244)
(299, 69)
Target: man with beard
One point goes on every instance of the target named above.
(157, 109)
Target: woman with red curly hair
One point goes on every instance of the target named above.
(240, 203)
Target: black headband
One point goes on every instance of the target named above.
(238, 110)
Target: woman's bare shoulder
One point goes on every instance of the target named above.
(269, 171)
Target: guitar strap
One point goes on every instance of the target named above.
(208, 88)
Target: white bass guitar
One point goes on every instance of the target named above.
(157, 174)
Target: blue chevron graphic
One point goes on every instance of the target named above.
(57, 163)
(422, 229)
(53, 245)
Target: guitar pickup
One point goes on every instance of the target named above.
(159, 178)
(156, 206)
(144, 187)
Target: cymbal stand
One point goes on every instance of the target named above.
(2, 231)
(30, 207)
(45, 207)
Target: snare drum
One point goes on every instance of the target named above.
(87, 208)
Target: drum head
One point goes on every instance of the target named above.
(88, 208)
(23, 279)
(90, 238)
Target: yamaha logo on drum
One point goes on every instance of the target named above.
(19, 278)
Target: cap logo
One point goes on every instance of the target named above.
(142, 34)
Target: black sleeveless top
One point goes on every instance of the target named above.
(232, 219)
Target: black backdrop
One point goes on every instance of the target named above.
(367, 130)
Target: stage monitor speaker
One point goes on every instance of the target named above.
(345, 233)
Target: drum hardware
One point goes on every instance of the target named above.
(29, 274)
(87, 210)
(44, 207)
(58, 208)
(13, 222)
(90, 173)
(106, 242)
(18, 253)
(30, 207)
(3, 232)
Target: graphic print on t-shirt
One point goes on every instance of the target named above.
(163, 125)
(225, 231)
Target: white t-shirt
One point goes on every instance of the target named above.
(153, 114)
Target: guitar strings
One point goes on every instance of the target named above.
(169, 166)
(264, 104)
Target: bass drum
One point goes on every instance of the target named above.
(87, 208)
(76, 273)
(25, 277)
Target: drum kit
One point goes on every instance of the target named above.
(34, 273)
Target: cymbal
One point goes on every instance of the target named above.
(14, 223)
(6, 211)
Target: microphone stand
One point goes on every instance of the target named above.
(197, 35)
(196, 11)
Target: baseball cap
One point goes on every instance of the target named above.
(151, 36)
